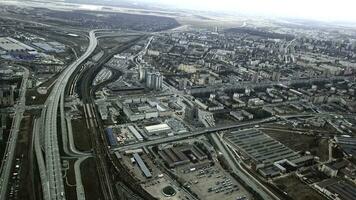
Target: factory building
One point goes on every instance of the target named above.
(138, 110)
(336, 189)
(182, 155)
(110, 136)
(11, 45)
(142, 165)
(142, 108)
(176, 125)
(268, 156)
(158, 129)
(137, 135)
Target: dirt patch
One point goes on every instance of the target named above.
(39, 99)
(81, 135)
(24, 159)
(296, 189)
(315, 145)
(90, 180)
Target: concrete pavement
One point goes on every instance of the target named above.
(52, 157)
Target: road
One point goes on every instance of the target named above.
(78, 178)
(54, 100)
(40, 160)
(9, 154)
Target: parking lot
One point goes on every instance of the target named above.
(212, 182)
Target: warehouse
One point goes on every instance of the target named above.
(157, 129)
(137, 135)
(268, 156)
(12, 45)
(181, 155)
(142, 165)
(347, 144)
(337, 189)
(111, 138)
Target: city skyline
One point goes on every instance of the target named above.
(118, 100)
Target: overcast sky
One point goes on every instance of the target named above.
(327, 10)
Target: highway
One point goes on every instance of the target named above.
(40, 160)
(49, 116)
(9, 154)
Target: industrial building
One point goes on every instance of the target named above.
(11, 45)
(181, 155)
(176, 125)
(347, 144)
(158, 129)
(50, 46)
(139, 111)
(110, 136)
(142, 165)
(337, 189)
(268, 156)
(137, 135)
(143, 108)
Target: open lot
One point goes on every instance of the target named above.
(296, 189)
(81, 135)
(315, 145)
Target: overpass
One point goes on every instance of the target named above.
(192, 134)
(49, 124)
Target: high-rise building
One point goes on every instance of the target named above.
(149, 79)
(142, 72)
(158, 81)
(182, 84)
(254, 77)
(2, 126)
(152, 78)
(276, 76)
(7, 95)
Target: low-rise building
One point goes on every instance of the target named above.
(158, 129)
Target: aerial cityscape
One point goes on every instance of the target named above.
(145, 100)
